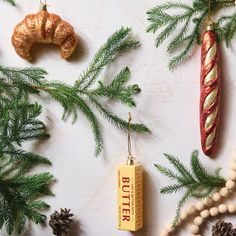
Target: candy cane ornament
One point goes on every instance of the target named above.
(210, 92)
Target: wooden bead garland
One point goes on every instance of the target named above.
(214, 211)
(208, 207)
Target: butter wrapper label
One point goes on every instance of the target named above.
(130, 197)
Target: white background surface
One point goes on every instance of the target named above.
(168, 104)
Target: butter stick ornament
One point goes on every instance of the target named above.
(130, 192)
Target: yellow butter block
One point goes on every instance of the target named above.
(130, 197)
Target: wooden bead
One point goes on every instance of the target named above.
(233, 167)
(198, 220)
(223, 208)
(230, 184)
(208, 201)
(164, 233)
(216, 197)
(194, 229)
(184, 215)
(214, 211)
(204, 214)
(231, 208)
(200, 206)
(170, 229)
(232, 175)
(224, 192)
(191, 210)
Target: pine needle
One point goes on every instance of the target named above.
(198, 183)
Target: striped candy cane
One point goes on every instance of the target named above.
(210, 92)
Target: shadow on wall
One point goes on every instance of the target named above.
(40, 50)
(76, 229)
(225, 105)
(150, 207)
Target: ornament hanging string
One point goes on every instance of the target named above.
(130, 155)
(130, 179)
(45, 2)
(43, 5)
(209, 10)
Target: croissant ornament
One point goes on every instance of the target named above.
(43, 27)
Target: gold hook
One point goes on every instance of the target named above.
(130, 156)
(209, 20)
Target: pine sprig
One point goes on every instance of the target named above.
(19, 123)
(20, 190)
(198, 182)
(189, 23)
(117, 43)
(117, 91)
(226, 28)
(79, 98)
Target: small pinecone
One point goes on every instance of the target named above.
(61, 222)
(222, 228)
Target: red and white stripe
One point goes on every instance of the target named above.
(210, 92)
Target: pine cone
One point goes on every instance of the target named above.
(61, 222)
(222, 228)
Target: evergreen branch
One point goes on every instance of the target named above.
(24, 160)
(116, 44)
(226, 28)
(116, 90)
(199, 183)
(20, 123)
(202, 175)
(180, 37)
(71, 101)
(189, 24)
(169, 173)
(120, 123)
(190, 40)
(202, 195)
(181, 203)
(174, 188)
(30, 74)
(32, 186)
(19, 190)
(183, 171)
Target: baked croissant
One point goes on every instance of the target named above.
(43, 27)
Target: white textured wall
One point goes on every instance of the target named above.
(168, 104)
